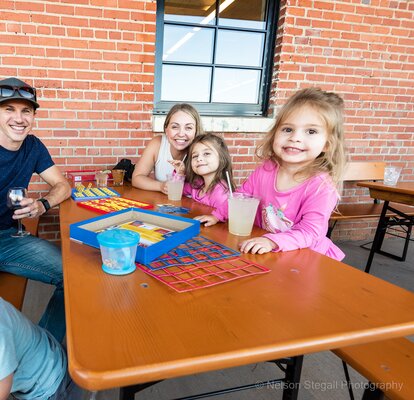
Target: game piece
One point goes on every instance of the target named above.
(172, 209)
(92, 193)
(106, 205)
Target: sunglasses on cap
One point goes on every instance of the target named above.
(26, 92)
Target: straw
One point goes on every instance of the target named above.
(229, 184)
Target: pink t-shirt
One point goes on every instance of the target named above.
(296, 218)
(216, 198)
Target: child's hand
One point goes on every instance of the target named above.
(207, 220)
(259, 245)
(179, 166)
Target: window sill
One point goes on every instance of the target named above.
(224, 124)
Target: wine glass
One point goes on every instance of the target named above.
(14, 196)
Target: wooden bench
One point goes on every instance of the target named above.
(13, 287)
(389, 365)
(369, 171)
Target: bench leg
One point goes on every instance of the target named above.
(378, 235)
(330, 229)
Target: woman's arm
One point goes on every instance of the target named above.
(143, 168)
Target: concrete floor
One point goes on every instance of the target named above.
(322, 374)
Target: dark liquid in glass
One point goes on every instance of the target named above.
(15, 206)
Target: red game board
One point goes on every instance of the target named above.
(184, 278)
(104, 206)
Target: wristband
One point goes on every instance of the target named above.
(45, 203)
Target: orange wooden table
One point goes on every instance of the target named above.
(402, 193)
(124, 330)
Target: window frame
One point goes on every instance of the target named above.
(260, 109)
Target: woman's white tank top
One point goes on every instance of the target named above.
(162, 166)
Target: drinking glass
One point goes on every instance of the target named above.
(14, 196)
(175, 185)
(242, 212)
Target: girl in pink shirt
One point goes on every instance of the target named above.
(206, 176)
(304, 157)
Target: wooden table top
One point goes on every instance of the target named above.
(403, 192)
(120, 332)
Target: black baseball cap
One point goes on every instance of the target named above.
(15, 89)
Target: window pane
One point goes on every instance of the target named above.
(239, 48)
(182, 43)
(236, 86)
(243, 13)
(182, 83)
(192, 11)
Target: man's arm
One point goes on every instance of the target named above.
(60, 188)
(59, 191)
(5, 387)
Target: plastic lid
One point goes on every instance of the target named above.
(118, 238)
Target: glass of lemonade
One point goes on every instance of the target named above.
(175, 185)
(242, 212)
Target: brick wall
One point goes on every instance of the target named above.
(93, 62)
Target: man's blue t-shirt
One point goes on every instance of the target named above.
(16, 170)
(31, 353)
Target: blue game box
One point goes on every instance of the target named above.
(159, 233)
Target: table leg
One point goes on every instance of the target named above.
(128, 392)
(92, 396)
(373, 394)
(292, 379)
(382, 224)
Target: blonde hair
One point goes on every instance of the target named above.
(330, 108)
(188, 109)
(217, 143)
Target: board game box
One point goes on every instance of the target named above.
(159, 233)
(104, 206)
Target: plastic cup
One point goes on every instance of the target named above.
(242, 212)
(391, 175)
(175, 185)
(118, 176)
(118, 250)
(101, 179)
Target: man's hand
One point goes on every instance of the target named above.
(30, 208)
(257, 245)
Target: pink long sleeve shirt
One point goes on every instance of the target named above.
(296, 218)
(216, 198)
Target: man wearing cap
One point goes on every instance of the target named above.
(21, 155)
